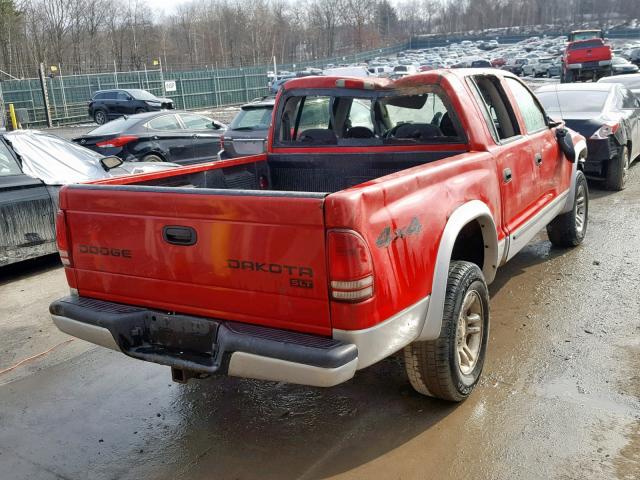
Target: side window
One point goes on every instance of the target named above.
(123, 96)
(110, 95)
(165, 122)
(533, 115)
(8, 164)
(196, 122)
(496, 107)
(628, 99)
(99, 96)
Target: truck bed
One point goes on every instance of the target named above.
(299, 172)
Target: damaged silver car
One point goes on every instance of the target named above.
(33, 167)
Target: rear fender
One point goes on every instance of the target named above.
(468, 212)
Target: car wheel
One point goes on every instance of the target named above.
(100, 117)
(152, 158)
(617, 170)
(140, 110)
(449, 367)
(569, 229)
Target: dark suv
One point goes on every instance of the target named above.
(109, 104)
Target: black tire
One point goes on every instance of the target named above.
(140, 110)
(434, 367)
(617, 170)
(152, 157)
(100, 117)
(569, 229)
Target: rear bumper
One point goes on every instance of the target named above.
(601, 152)
(208, 346)
(589, 65)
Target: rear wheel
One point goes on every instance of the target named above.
(152, 158)
(449, 367)
(100, 117)
(569, 229)
(617, 170)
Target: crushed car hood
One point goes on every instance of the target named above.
(56, 161)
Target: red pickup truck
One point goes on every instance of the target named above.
(586, 60)
(373, 223)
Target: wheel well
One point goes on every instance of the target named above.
(469, 245)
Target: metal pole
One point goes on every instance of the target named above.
(115, 73)
(217, 77)
(164, 93)
(45, 95)
(184, 106)
(146, 75)
(64, 97)
(244, 84)
(275, 69)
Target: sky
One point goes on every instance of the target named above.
(167, 6)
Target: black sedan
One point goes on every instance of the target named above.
(106, 105)
(608, 116)
(247, 133)
(169, 136)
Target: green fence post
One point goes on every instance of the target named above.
(244, 83)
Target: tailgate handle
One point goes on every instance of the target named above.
(178, 235)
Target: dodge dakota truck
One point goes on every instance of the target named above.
(372, 225)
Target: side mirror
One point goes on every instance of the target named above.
(215, 126)
(110, 162)
(553, 123)
(566, 144)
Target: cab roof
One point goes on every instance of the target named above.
(376, 83)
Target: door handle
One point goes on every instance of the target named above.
(538, 159)
(178, 235)
(507, 175)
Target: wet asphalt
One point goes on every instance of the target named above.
(559, 397)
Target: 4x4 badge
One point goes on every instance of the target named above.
(387, 235)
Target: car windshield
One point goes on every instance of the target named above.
(115, 126)
(142, 95)
(252, 118)
(54, 160)
(573, 101)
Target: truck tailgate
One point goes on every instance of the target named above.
(256, 257)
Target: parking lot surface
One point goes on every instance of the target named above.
(559, 398)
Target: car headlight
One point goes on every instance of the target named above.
(152, 104)
(605, 131)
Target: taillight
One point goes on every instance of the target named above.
(117, 142)
(350, 267)
(605, 131)
(64, 247)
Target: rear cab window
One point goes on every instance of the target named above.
(581, 45)
(367, 118)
